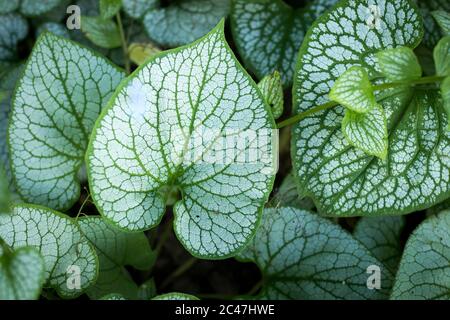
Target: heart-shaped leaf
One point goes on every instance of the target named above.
(354, 91)
(345, 181)
(424, 269)
(36, 8)
(268, 33)
(7, 6)
(367, 131)
(137, 8)
(164, 129)
(399, 64)
(55, 28)
(13, 28)
(443, 19)
(304, 256)
(287, 195)
(184, 21)
(21, 274)
(59, 97)
(381, 235)
(67, 254)
(272, 91)
(116, 249)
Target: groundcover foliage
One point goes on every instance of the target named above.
(195, 149)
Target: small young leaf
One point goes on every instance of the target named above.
(140, 52)
(103, 33)
(109, 8)
(443, 19)
(425, 266)
(442, 57)
(115, 250)
(184, 21)
(268, 33)
(59, 97)
(22, 274)
(65, 250)
(367, 131)
(399, 64)
(13, 28)
(36, 8)
(7, 6)
(354, 91)
(272, 91)
(304, 256)
(175, 296)
(137, 8)
(146, 143)
(381, 235)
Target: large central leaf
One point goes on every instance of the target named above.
(145, 145)
(342, 179)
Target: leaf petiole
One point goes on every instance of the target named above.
(124, 43)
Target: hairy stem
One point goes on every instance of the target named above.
(294, 119)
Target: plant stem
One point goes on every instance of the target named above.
(179, 271)
(256, 288)
(300, 116)
(294, 119)
(124, 43)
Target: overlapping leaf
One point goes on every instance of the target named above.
(367, 131)
(21, 274)
(345, 181)
(424, 271)
(272, 91)
(115, 250)
(13, 28)
(103, 33)
(399, 64)
(35, 8)
(146, 144)
(443, 20)
(7, 85)
(184, 21)
(304, 256)
(109, 8)
(268, 33)
(7, 6)
(442, 57)
(58, 99)
(433, 32)
(381, 235)
(354, 91)
(137, 8)
(59, 241)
